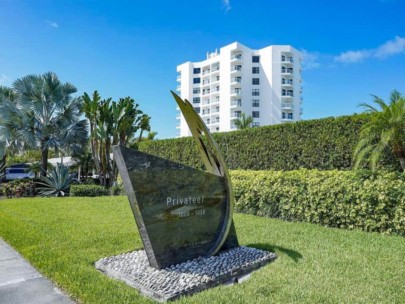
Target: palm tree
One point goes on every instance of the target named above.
(244, 122)
(385, 130)
(151, 135)
(43, 115)
(9, 142)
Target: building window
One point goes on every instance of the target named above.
(196, 90)
(283, 116)
(255, 81)
(255, 92)
(255, 114)
(255, 70)
(255, 124)
(208, 121)
(255, 58)
(217, 129)
(290, 115)
(197, 109)
(197, 80)
(287, 93)
(282, 58)
(197, 70)
(196, 100)
(255, 103)
(287, 81)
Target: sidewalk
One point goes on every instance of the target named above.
(20, 283)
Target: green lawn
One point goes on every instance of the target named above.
(64, 237)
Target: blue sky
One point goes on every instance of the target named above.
(131, 48)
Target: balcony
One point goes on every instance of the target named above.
(178, 127)
(236, 115)
(287, 71)
(236, 69)
(287, 60)
(205, 72)
(287, 106)
(236, 92)
(287, 119)
(179, 78)
(215, 69)
(236, 103)
(215, 79)
(178, 88)
(236, 57)
(287, 82)
(178, 116)
(236, 81)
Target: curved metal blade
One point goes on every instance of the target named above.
(212, 159)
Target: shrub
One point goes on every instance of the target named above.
(88, 190)
(323, 144)
(19, 188)
(57, 182)
(342, 199)
(117, 190)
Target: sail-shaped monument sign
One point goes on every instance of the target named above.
(181, 213)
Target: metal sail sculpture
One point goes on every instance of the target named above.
(181, 212)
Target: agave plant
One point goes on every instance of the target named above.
(57, 183)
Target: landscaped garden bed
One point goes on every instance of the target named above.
(63, 237)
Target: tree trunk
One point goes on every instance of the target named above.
(94, 152)
(140, 136)
(44, 161)
(402, 162)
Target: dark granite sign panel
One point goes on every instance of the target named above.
(181, 212)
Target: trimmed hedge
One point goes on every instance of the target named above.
(323, 144)
(88, 190)
(18, 188)
(342, 199)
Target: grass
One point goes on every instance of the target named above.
(63, 237)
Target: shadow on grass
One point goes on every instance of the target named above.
(295, 255)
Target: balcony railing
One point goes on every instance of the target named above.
(236, 57)
(179, 78)
(236, 103)
(287, 59)
(287, 71)
(287, 94)
(287, 106)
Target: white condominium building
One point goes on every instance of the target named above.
(264, 84)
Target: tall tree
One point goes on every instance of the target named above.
(43, 115)
(244, 122)
(385, 130)
(111, 123)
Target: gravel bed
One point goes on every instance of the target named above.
(185, 278)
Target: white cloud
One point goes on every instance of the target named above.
(310, 60)
(226, 4)
(389, 48)
(52, 24)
